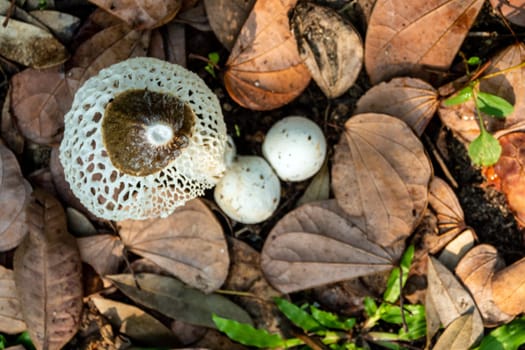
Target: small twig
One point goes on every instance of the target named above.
(441, 162)
(128, 264)
(9, 13)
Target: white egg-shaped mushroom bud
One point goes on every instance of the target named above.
(249, 191)
(295, 147)
(142, 137)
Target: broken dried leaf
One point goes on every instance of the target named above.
(380, 176)
(227, 18)
(319, 241)
(141, 14)
(414, 101)
(189, 244)
(264, 69)
(105, 253)
(172, 298)
(476, 271)
(135, 323)
(330, 47)
(437, 26)
(11, 319)
(508, 288)
(30, 45)
(48, 277)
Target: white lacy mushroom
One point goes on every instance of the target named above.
(142, 137)
(295, 147)
(249, 191)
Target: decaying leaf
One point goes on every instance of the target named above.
(61, 24)
(513, 10)
(459, 334)
(141, 14)
(77, 223)
(30, 45)
(330, 47)
(227, 17)
(48, 278)
(319, 241)
(414, 101)
(457, 248)
(105, 253)
(380, 176)
(135, 323)
(189, 244)
(447, 300)
(476, 271)
(446, 205)
(508, 288)
(14, 197)
(8, 129)
(416, 38)
(39, 100)
(172, 298)
(264, 69)
(319, 187)
(11, 319)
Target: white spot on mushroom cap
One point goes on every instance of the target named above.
(249, 191)
(295, 147)
(113, 195)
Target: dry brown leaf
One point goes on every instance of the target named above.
(446, 205)
(264, 70)
(48, 277)
(39, 100)
(414, 101)
(141, 14)
(135, 323)
(446, 300)
(11, 319)
(412, 38)
(61, 24)
(189, 244)
(9, 132)
(78, 224)
(105, 253)
(380, 176)
(508, 288)
(14, 197)
(513, 10)
(476, 271)
(319, 187)
(457, 248)
(30, 45)
(330, 47)
(316, 244)
(227, 17)
(459, 334)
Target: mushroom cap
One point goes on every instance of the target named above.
(295, 147)
(100, 163)
(249, 191)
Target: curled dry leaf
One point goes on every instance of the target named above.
(14, 197)
(172, 298)
(319, 241)
(416, 38)
(227, 17)
(11, 319)
(30, 45)
(47, 271)
(141, 14)
(331, 48)
(264, 69)
(513, 10)
(135, 323)
(189, 244)
(105, 253)
(476, 271)
(457, 248)
(380, 176)
(447, 300)
(508, 288)
(39, 100)
(412, 100)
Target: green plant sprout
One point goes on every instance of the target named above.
(340, 333)
(485, 149)
(213, 61)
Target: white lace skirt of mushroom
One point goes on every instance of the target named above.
(142, 137)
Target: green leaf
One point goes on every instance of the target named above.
(393, 290)
(297, 315)
(416, 323)
(506, 337)
(330, 320)
(493, 105)
(485, 149)
(473, 61)
(214, 57)
(246, 334)
(462, 96)
(370, 306)
(25, 340)
(210, 70)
